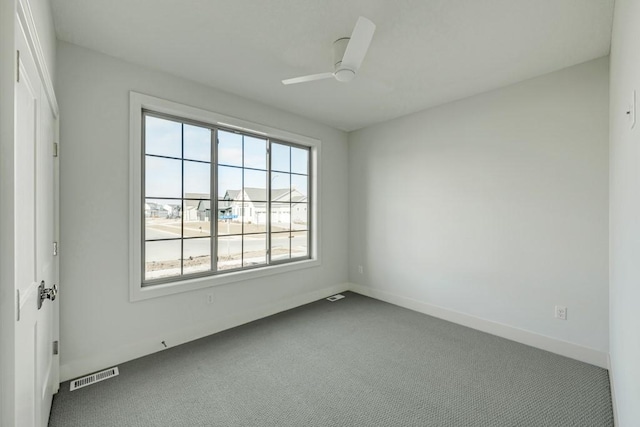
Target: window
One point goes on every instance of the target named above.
(215, 201)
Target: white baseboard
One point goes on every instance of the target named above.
(564, 348)
(79, 367)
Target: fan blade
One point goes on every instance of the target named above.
(358, 44)
(309, 78)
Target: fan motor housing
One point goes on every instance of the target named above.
(342, 75)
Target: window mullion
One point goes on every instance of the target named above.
(243, 204)
(214, 200)
(268, 197)
(183, 204)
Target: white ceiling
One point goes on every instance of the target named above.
(424, 52)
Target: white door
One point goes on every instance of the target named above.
(36, 325)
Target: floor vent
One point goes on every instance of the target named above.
(94, 378)
(335, 297)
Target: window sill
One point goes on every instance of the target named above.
(140, 293)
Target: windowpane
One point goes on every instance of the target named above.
(280, 216)
(299, 160)
(163, 177)
(299, 244)
(254, 250)
(255, 185)
(197, 143)
(280, 246)
(162, 219)
(280, 187)
(197, 218)
(229, 252)
(162, 137)
(197, 255)
(280, 157)
(299, 216)
(229, 148)
(299, 188)
(230, 226)
(255, 153)
(255, 217)
(197, 180)
(162, 259)
(191, 211)
(229, 183)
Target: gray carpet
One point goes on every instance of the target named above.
(354, 362)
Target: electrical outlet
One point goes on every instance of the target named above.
(210, 298)
(631, 110)
(360, 269)
(561, 312)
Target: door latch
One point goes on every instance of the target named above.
(46, 293)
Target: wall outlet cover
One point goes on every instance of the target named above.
(561, 312)
(631, 110)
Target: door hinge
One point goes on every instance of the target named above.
(55, 248)
(55, 149)
(56, 346)
(17, 305)
(18, 66)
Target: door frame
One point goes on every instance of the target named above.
(10, 12)
(7, 139)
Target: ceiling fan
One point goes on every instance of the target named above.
(348, 53)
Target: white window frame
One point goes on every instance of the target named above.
(139, 102)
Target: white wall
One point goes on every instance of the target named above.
(625, 214)
(99, 326)
(493, 209)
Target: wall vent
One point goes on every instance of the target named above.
(335, 297)
(94, 378)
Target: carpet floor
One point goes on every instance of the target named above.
(353, 362)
